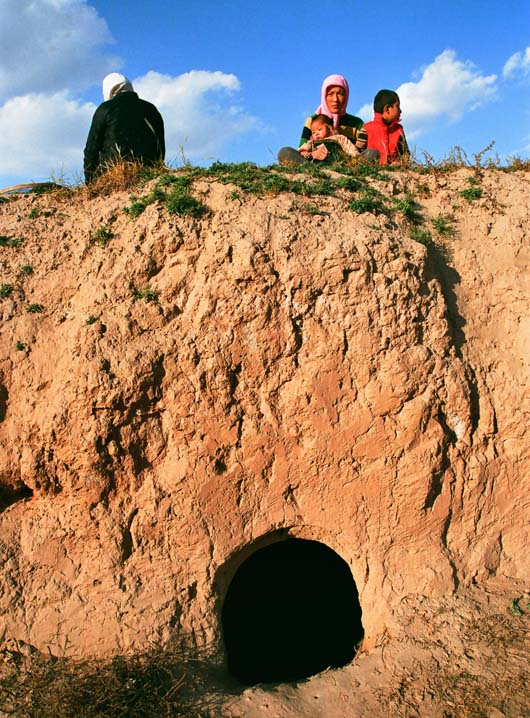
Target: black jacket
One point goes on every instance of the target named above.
(124, 127)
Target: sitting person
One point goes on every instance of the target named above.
(124, 127)
(385, 134)
(322, 132)
(334, 100)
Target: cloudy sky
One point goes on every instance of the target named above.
(235, 79)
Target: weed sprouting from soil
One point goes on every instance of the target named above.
(177, 201)
(369, 201)
(409, 208)
(102, 236)
(35, 308)
(147, 293)
(515, 608)
(180, 202)
(422, 236)
(351, 184)
(14, 242)
(136, 208)
(471, 193)
(5, 290)
(444, 224)
(310, 209)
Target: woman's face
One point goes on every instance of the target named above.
(336, 99)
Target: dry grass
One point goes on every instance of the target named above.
(121, 175)
(488, 677)
(170, 681)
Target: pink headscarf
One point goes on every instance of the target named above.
(323, 109)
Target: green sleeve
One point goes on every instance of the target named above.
(306, 132)
(348, 126)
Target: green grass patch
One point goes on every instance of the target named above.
(5, 290)
(314, 211)
(349, 183)
(369, 201)
(422, 236)
(10, 241)
(136, 208)
(444, 224)
(35, 308)
(409, 208)
(252, 179)
(148, 294)
(177, 201)
(471, 193)
(102, 236)
(181, 203)
(363, 170)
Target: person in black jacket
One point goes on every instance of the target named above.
(123, 127)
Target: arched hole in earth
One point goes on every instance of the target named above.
(291, 610)
(9, 495)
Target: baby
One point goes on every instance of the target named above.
(322, 129)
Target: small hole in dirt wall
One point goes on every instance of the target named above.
(291, 610)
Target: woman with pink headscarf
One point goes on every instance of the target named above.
(333, 102)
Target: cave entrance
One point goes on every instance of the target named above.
(291, 610)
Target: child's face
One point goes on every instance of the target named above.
(392, 113)
(319, 130)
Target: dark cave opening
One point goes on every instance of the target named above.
(291, 610)
(10, 495)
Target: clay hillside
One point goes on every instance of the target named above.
(280, 418)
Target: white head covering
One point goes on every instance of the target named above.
(114, 83)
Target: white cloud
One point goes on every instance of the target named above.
(448, 87)
(199, 111)
(49, 45)
(518, 65)
(41, 133)
(51, 50)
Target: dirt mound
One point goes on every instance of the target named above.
(335, 359)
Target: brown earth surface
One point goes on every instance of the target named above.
(192, 390)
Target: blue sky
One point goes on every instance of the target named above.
(235, 80)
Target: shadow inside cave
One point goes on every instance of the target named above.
(291, 610)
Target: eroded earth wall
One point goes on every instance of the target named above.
(280, 372)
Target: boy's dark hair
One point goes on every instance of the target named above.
(323, 118)
(384, 98)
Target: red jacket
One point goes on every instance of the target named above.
(388, 140)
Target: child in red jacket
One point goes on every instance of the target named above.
(385, 134)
